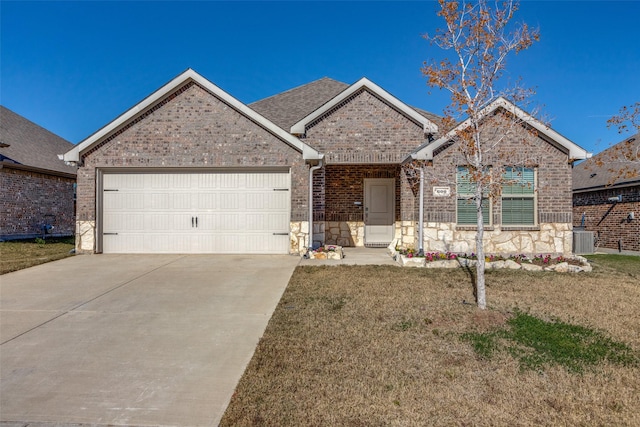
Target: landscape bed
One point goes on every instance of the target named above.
(381, 345)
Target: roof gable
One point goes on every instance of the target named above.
(575, 152)
(25, 143)
(167, 90)
(299, 127)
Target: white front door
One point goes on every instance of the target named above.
(379, 211)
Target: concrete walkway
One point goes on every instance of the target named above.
(356, 256)
(132, 339)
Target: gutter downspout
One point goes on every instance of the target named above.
(421, 213)
(414, 156)
(312, 169)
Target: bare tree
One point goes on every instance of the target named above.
(627, 119)
(477, 38)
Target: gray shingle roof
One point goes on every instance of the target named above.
(432, 117)
(592, 175)
(31, 145)
(287, 108)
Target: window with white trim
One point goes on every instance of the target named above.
(519, 201)
(466, 213)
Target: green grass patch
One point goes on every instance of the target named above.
(537, 343)
(19, 254)
(628, 264)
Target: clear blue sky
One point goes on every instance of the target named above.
(72, 67)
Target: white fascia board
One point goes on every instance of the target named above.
(428, 126)
(74, 154)
(575, 151)
(71, 156)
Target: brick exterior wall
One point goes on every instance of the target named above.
(553, 180)
(343, 186)
(29, 199)
(609, 220)
(364, 129)
(191, 128)
(363, 137)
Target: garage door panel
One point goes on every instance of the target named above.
(182, 201)
(220, 222)
(230, 201)
(236, 212)
(206, 201)
(121, 222)
(180, 223)
(131, 243)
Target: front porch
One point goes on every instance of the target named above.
(363, 205)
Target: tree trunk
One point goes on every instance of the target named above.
(481, 297)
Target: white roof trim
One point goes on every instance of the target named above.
(575, 151)
(428, 126)
(73, 155)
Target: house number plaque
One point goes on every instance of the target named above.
(441, 191)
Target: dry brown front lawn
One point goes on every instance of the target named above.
(16, 255)
(381, 346)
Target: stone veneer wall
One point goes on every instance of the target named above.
(548, 238)
(189, 129)
(551, 238)
(30, 199)
(610, 220)
(298, 235)
(351, 233)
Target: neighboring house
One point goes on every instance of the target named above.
(36, 188)
(191, 169)
(607, 201)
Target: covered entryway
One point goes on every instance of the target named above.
(192, 211)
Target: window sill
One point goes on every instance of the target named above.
(473, 227)
(520, 228)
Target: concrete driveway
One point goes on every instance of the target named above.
(132, 339)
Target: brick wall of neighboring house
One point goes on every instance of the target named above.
(364, 129)
(192, 128)
(28, 200)
(610, 220)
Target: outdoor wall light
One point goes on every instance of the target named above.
(615, 198)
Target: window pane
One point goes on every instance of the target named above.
(520, 181)
(463, 183)
(518, 211)
(467, 212)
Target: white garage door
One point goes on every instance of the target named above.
(196, 212)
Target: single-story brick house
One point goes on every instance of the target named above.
(36, 188)
(192, 169)
(606, 201)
